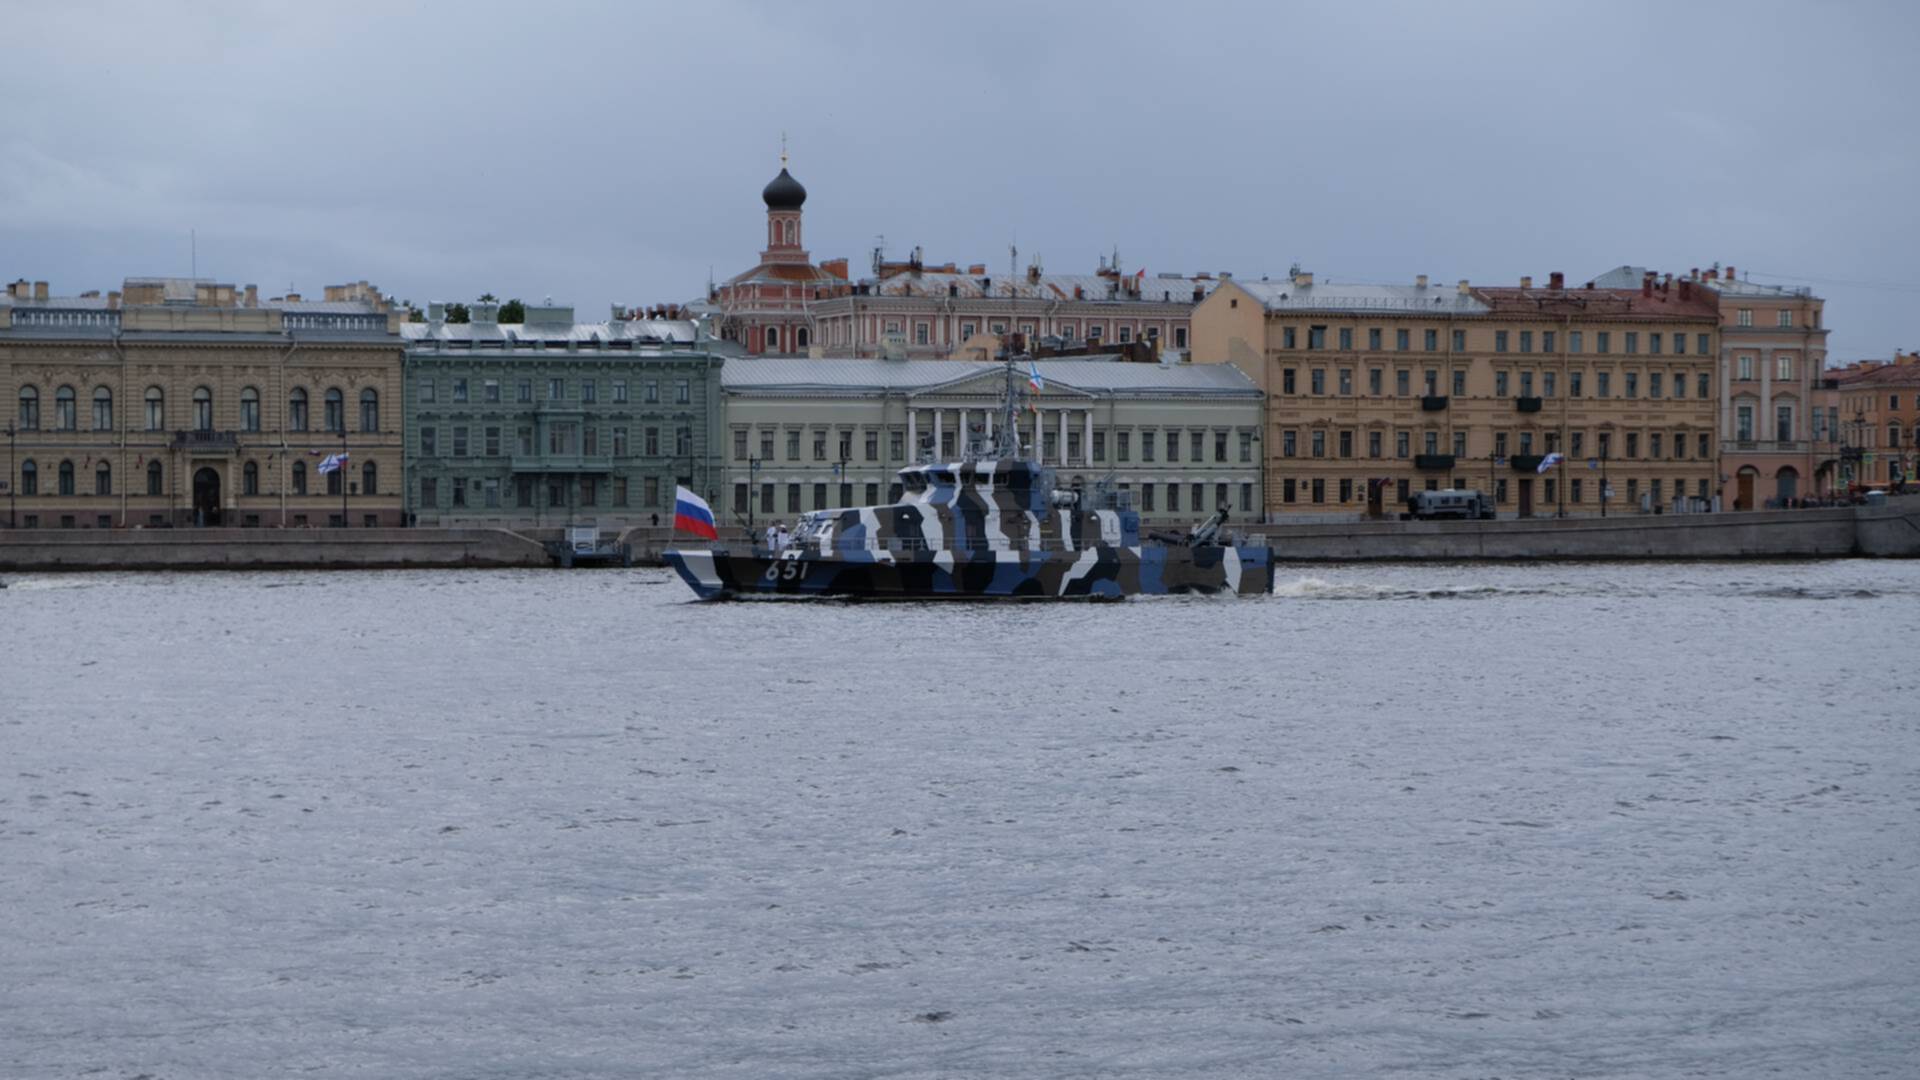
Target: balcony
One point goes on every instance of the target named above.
(211, 442)
(1433, 461)
(1526, 463)
(1433, 403)
(1527, 404)
(562, 463)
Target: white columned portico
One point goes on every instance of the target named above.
(936, 433)
(913, 433)
(1062, 448)
(1086, 436)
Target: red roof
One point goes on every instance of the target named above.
(1901, 371)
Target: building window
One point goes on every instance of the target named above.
(1704, 344)
(459, 389)
(1346, 382)
(30, 408)
(1603, 341)
(1653, 343)
(1319, 444)
(63, 410)
(1786, 318)
(1744, 317)
(1654, 388)
(1603, 384)
(1499, 384)
(1499, 341)
(460, 439)
(490, 391)
(683, 392)
(299, 478)
(1546, 341)
(1126, 334)
(1319, 490)
(155, 479)
(250, 478)
(1287, 381)
(1633, 384)
(1633, 342)
(773, 339)
(1316, 337)
(102, 409)
(1289, 443)
(1459, 341)
(1148, 439)
(1346, 444)
(1375, 381)
(1526, 341)
(1783, 368)
(103, 479)
(1288, 492)
(1373, 444)
(1318, 380)
(370, 410)
(1123, 445)
(589, 391)
(66, 478)
(1287, 339)
(202, 409)
(297, 409)
(1402, 444)
(1179, 337)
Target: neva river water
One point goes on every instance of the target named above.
(1411, 821)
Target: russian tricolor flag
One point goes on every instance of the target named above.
(691, 513)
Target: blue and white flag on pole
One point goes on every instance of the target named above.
(1549, 462)
(332, 463)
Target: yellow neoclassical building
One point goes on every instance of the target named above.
(176, 402)
(1376, 391)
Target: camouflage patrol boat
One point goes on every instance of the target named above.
(992, 525)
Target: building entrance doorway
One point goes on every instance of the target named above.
(1743, 494)
(1376, 498)
(1787, 484)
(206, 497)
(1526, 497)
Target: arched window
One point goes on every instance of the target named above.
(369, 409)
(773, 339)
(66, 478)
(250, 478)
(154, 485)
(29, 478)
(297, 409)
(249, 409)
(299, 478)
(336, 410)
(801, 338)
(103, 479)
(202, 409)
(156, 409)
(63, 412)
(369, 479)
(29, 409)
(789, 232)
(102, 409)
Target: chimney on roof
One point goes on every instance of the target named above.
(1420, 281)
(1556, 280)
(977, 269)
(113, 300)
(1463, 287)
(293, 298)
(1526, 281)
(253, 296)
(1302, 279)
(1199, 293)
(1079, 293)
(39, 290)
(1033, 274)
(1646, 284)
(1731, 276)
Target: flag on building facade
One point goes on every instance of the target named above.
(1549, 462)
(331, 463)
(691, 512)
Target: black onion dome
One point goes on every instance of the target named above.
(784, 193)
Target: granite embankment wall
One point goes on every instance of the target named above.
(1884, 531)
(263, 549)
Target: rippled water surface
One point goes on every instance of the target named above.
(1431, 821)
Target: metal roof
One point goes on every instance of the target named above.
(1098, 375)
(1284, 295)
(525, 335)
(1165, 288)
(1629, 277)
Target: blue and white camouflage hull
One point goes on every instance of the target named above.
(1094, 572)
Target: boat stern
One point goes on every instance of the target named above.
(698, 569)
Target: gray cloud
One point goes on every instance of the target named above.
(612, 152)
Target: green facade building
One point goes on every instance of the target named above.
(552, 422)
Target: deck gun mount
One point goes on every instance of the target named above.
(1205, 534)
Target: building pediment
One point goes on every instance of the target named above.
(992, 383)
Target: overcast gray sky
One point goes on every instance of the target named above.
(614, 152)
